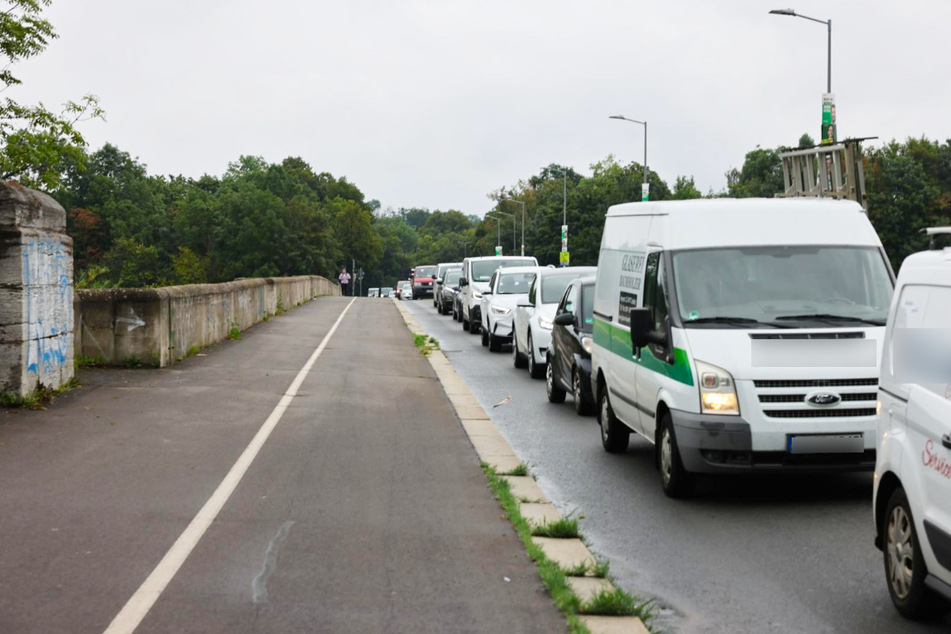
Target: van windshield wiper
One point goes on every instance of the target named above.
(721, 319)
(831, 317)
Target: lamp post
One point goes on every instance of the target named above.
(499, 225)
(522, 203)
(645, 188)
(828, 24)
(564, 216)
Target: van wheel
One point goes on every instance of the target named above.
(582, 404)
(517, 359)
(555, 393)
(905, 568)
(614, 435)
(677, 481)
(535, 370)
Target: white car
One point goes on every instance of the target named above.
(534, 319)
(476, 272)
(912, 492)
(507, 288)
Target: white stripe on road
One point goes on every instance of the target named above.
(151, 589)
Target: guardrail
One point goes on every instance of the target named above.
(159, 326)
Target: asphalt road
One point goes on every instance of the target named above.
(364, 511)
(747, 555)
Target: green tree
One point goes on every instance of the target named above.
(36, 145)
(685, 189)
(760, 177)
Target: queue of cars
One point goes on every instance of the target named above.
(735, 337)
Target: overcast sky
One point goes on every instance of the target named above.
(436, 103)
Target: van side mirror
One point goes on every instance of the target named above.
(438, 280)
(565, 319)
(487, 291)
(641, 324)
(463, 282)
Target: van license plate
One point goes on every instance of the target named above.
(826, 443)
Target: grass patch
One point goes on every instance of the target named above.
(564, 528)
(133, 362)
(553, 576)
(38, 398)
(425, 344)
(193, 351)
(280, 308)
(520, 470)
(90, 362)
(617, 603)
(234, 333)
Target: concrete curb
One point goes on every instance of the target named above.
(493, 449)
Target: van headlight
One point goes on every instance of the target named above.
(586, 344)
(500, 310)
(545, 323)
(717, 390)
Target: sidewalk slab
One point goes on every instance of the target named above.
(539, 514)
(615, 625)
(589, 587)
(491, 447)
(525, 488)
(568, 553)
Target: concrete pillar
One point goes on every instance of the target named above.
(36, 291)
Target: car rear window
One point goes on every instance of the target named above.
(425, 271)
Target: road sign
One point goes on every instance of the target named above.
(360, 273)
(564, 259)
(645, 192)
(498, 250)
(828, 133)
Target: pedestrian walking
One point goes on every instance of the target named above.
(344, 279)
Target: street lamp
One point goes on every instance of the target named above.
(645, 188)
(499, 226)
(828, 24)
(564, 215)
(522, 203)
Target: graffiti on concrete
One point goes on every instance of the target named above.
(133, 320)
(49, 304)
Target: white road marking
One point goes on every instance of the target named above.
(134, 611)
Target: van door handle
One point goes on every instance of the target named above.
(946, 441)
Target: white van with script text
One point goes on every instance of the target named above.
(912, 493)
(740, 335)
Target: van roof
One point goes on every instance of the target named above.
(927, 267)
(727, 222)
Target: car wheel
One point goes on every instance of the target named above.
(555, 393)
(474, 326)
(677, 481)
(582, 403)
(485, 336)
(465, 323)
(494, 344)
(614, 435)
(905, 568)
(517, 359)
(535, 369)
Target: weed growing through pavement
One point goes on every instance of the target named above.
(553, 576)
(89, 362)
(425, 344)
(520, 470)
(234, 333)
(38, 398)
(564, 528)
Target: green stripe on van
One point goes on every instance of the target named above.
(618, 341)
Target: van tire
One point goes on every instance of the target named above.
(676, 481)
(918, 602)
(494, 344)
(535, 370)
(555, 394)
(614, 435)
(517, 359)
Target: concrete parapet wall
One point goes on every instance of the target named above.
(158, 326)
(36, 291)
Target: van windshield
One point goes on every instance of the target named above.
(482, 270)
(827, 286)
(425, 271)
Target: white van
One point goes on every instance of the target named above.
(912, 493)
(476, 273)
(740, 335)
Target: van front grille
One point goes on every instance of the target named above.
(818, 413)
(816, 383)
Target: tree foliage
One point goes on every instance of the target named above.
(37, 146)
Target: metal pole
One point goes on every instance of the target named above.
(645, 155)
(564, 198)
(829, 80)
(523, 227)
